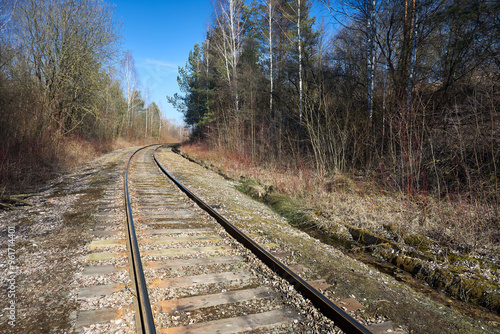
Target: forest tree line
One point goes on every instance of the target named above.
(64, 77)
(406, 90)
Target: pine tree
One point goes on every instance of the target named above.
(192, 80)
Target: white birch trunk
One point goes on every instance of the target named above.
(229, 19)
(300, 66)
(206, 53)
(130, 85)
(270, 14)
(371, 55)
(234, 25)
(159, 127)
(413, 58)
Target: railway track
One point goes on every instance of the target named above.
(192, 271)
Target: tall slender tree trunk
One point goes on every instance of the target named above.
(159, 128)
(206, 54)
(270, 19)
(370, 56)
(300, 68)
(384, 93)
(234, 54)
(413, 56)
(146, 127)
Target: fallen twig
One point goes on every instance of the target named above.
(11, 201)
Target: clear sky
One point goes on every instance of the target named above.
(160, 35)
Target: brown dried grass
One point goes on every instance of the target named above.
(460, 223)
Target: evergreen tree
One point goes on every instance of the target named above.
(192, 80)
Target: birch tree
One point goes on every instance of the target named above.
(270, 16)
(131, 82)
(229, 21)
(147, 112)
(363, 12)
(413, 54)
(370, 54)
(299, 41)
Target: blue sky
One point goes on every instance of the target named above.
(160, 35)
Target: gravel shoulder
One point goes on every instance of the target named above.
(47, 244)
(383, 297)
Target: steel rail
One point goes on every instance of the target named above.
(146, 322)
(329, 309)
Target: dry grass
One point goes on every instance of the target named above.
(26, 169)
(463, 225)
(26, 166)
(76, 151)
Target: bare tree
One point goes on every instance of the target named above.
(370, 53)
(6, 8)
(64, 43)
(229, 18)
(299, 41)
(270, 15)
(364, 12)
(131, 81)
(147, 112)
(413, 54)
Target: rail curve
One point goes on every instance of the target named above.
(148, 311)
